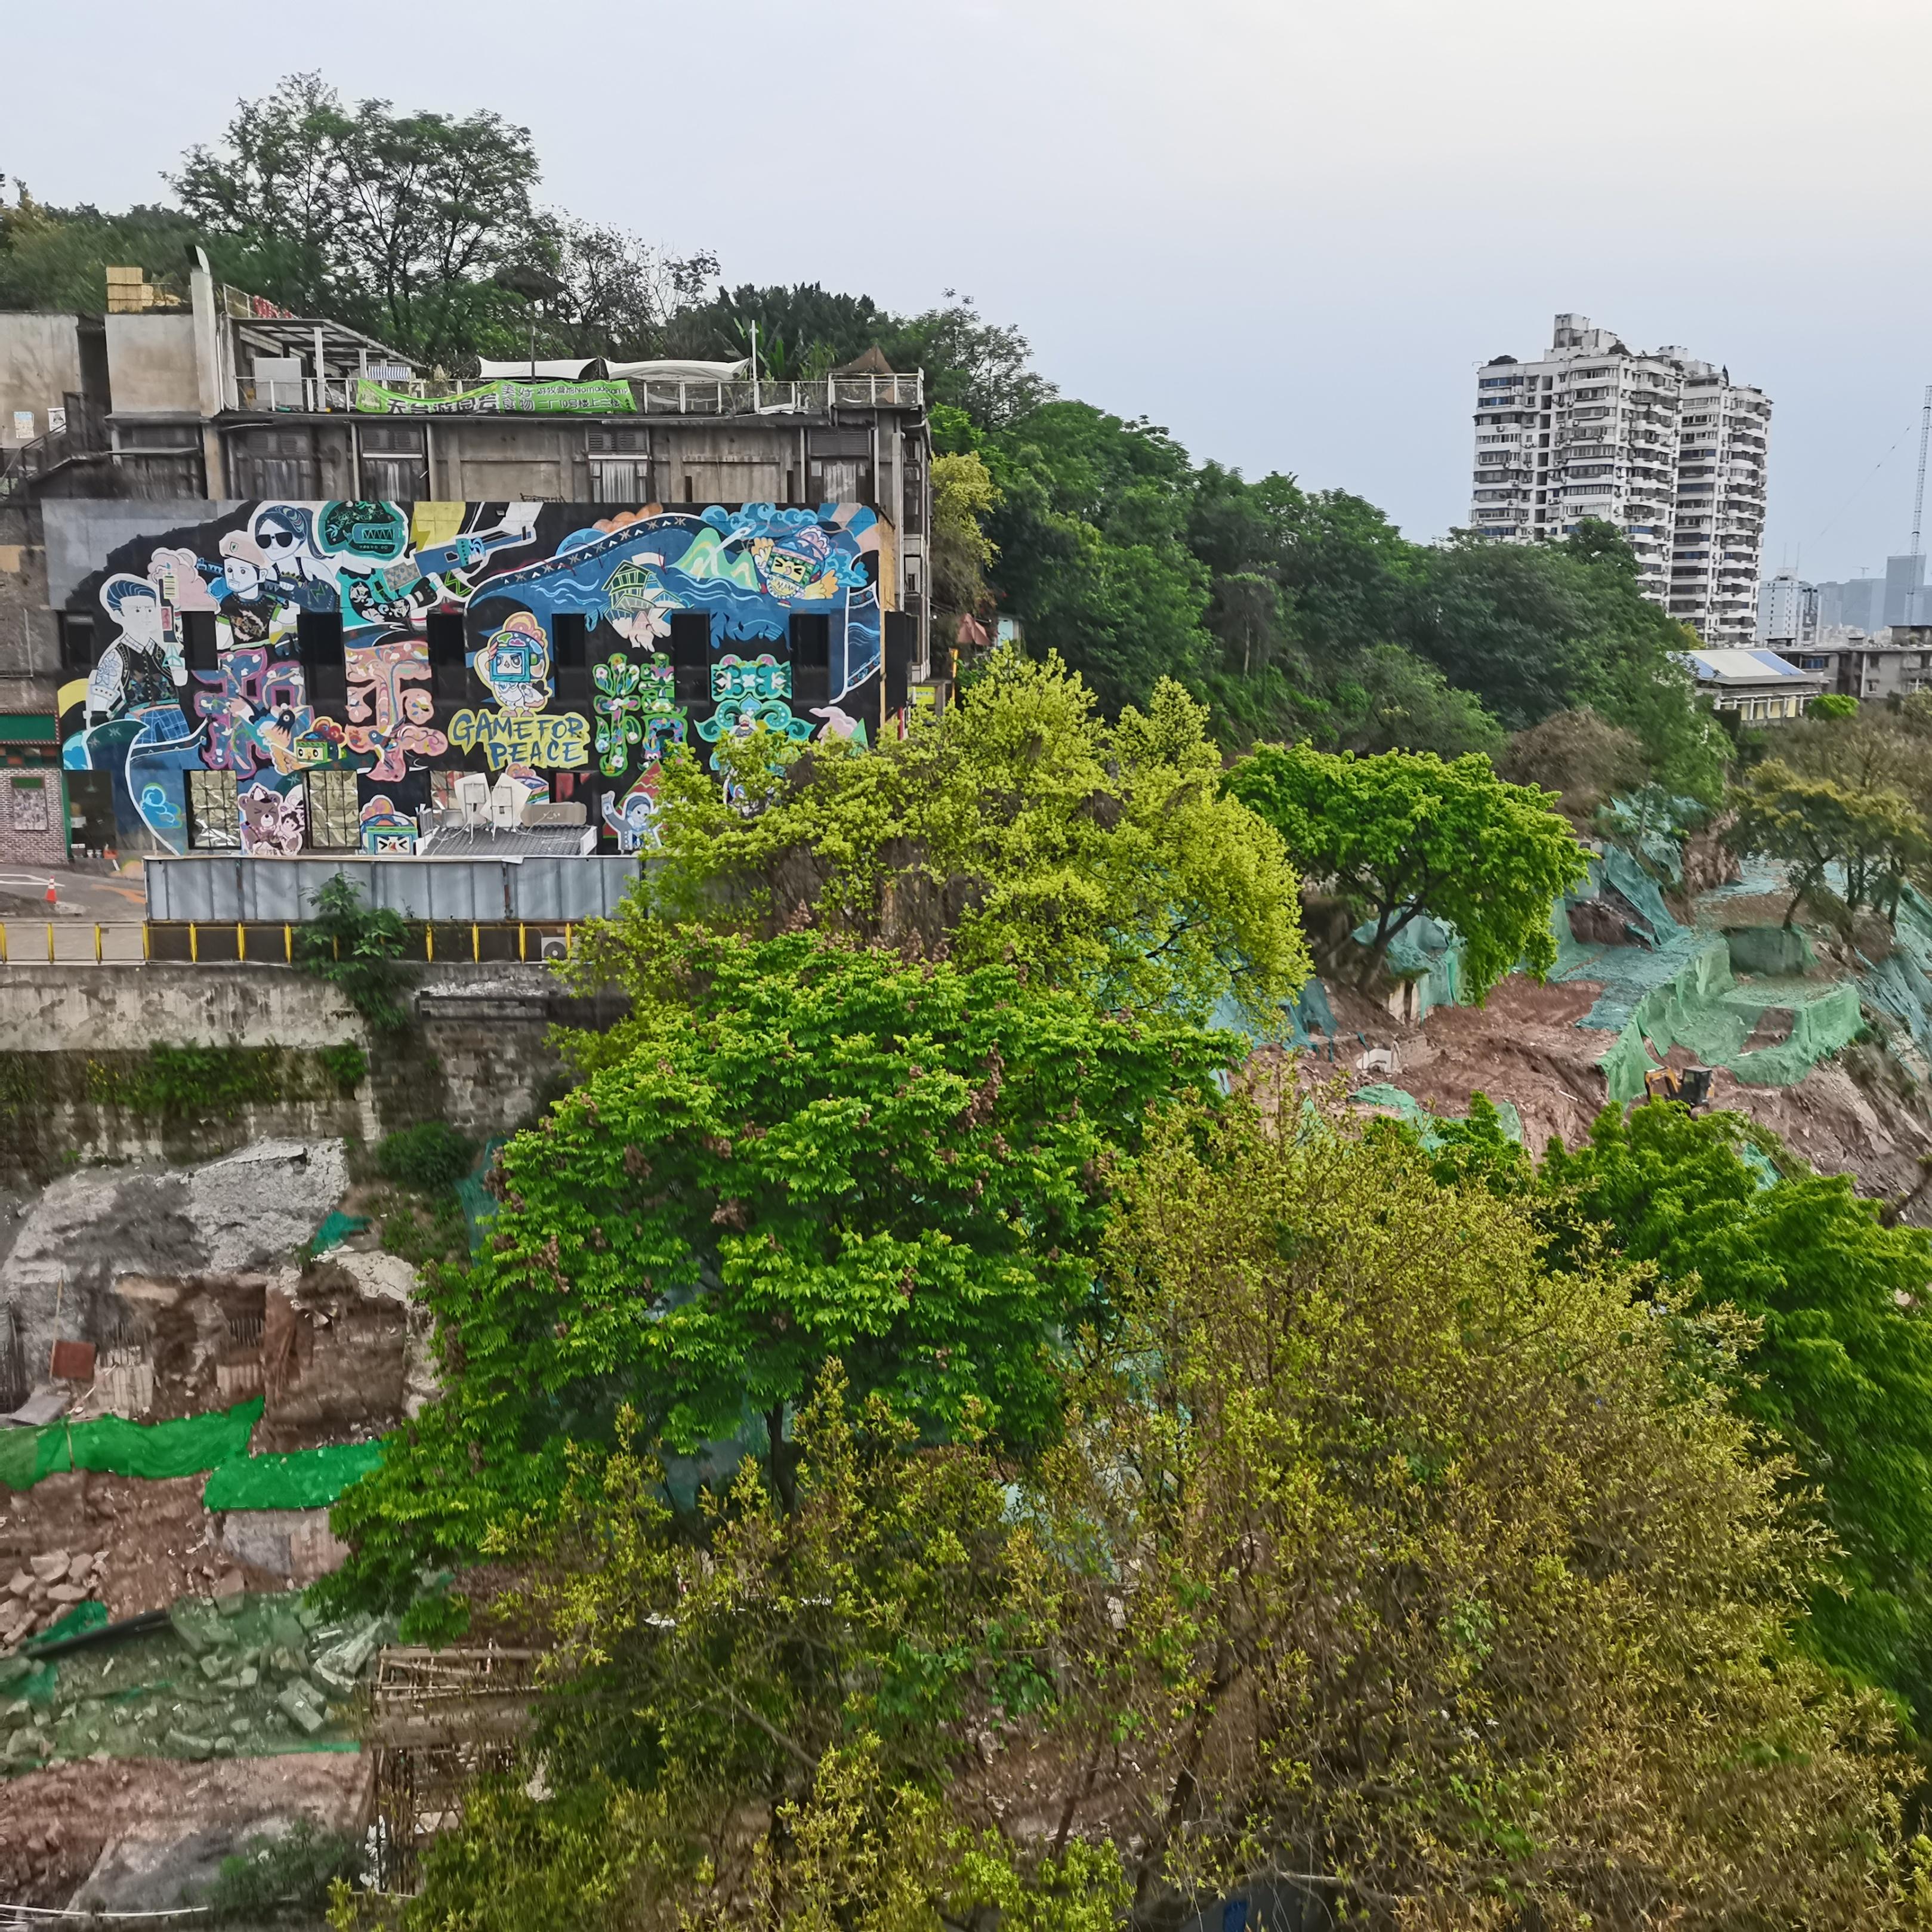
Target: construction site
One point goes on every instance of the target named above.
(198, 1355)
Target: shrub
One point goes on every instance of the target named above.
(431, 1155)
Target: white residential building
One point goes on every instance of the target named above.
(1787, 611)
(1666, 448)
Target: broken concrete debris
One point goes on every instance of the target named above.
(241, 1675)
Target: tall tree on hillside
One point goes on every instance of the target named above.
(400, 222)
(1402, 835)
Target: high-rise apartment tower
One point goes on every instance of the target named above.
(1666, 448)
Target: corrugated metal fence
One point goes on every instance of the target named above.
(222, 888)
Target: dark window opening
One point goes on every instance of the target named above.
(200, 650)
(318, 643)
(690, 655)
(76, 642)
(449, 664)
(570, 657)
(811, 661)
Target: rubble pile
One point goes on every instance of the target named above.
(49, 1588)
(234, 1675)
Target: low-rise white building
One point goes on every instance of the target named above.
(1762, 687)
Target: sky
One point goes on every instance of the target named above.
(1286, 230)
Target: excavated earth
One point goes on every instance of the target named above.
(1858, 1113)
(134, 1835)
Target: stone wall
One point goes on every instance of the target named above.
(478, 1056)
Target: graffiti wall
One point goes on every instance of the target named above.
(322, 675)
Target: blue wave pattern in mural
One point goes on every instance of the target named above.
(286, 772)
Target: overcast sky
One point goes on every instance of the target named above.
(1287, 229)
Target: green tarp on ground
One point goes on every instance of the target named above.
(218, 1442)
(306, 1479)
(1703, 1008)
(1394, 1100)
(115, 1447)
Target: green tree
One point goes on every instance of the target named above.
(1404, 833)
(1432, 1573)
(57, 258)
(1874, 834)
(1390, 700)
(792, 1149)
(1841, 1371)
(1578, 755)
(396, 222)
(964, 494)
(1020, 827)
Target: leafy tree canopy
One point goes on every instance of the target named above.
(793, 1150)
(1376, 1556)
(1404, 833)
(1842, 1369)
(1872, 833)
(1022, 827)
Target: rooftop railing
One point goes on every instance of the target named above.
(355, 395)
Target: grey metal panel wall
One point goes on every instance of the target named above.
(215, 887)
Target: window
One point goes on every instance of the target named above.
(570, 657)
(620, 479)
(690, 655)
(448, 664)
(214, 814)
(275, 463)
(811, 661)
(318, 643)
(76, 642)
(200, 650)
(335, 814)
(395, 463)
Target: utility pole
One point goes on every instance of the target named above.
(1919, 495)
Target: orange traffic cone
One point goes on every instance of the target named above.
(53, 893)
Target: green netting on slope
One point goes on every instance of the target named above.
(306, 1479)
(479, 1204)
(1620, 870)
(336, 1228)
(115, 1447)
(90, 1615)
(1702, 1008)
(1425, 1122)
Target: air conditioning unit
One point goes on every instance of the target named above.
(553, 945)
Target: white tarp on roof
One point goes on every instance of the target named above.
(569, 370)
(1752, 666)
(682, 372)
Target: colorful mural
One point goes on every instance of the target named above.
(288, 646)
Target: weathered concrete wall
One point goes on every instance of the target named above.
(151, 365)
(82, 532)
(108, 1008)
(478, 1056)
(40, 367)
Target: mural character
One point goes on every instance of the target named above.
(285, 535)
(384, 829)
(515, 665)
(274, 823)
(634, 820)
(841, 725)
(391, 711)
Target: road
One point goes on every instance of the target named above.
(93, 895)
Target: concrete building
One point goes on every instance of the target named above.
(1762, 687)
(1893, 663)
(1664, 446)
(1787, 612)
(265, 587)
